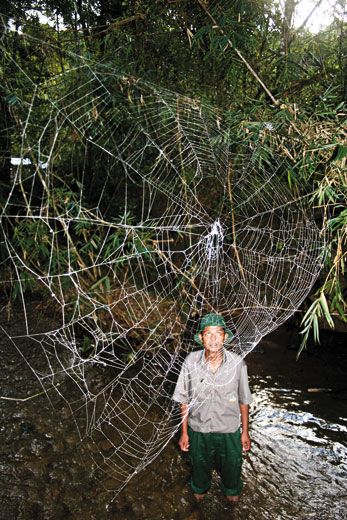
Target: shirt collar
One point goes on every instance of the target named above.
(203, 360)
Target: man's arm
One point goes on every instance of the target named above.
(184, 439)
(245, 439)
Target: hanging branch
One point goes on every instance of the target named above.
(230, 44)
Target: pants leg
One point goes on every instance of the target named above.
(201, 456)
(228, 462)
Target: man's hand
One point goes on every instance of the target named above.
(245, 441)
(184, 442)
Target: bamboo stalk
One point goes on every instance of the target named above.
(240, 55)
(233, 221)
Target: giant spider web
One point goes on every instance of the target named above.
(136, 210)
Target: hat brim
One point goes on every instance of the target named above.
(228, 340)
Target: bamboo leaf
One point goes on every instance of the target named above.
(339, 153)
(315, 329)
(100, 282)
(326, 311)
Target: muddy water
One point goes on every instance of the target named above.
(297, 468)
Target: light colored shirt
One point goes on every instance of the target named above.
(213, 398)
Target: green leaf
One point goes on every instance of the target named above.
(339, 221)
(12, 99)
(105, 280)
(326, 311)
(107, 283)
(339, 153)
(341, 310)
(315, 328)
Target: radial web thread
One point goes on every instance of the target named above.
(143, 214)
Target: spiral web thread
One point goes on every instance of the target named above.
(170, 222)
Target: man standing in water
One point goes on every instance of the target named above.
(213, 392)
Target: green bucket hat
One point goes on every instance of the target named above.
(213, 320)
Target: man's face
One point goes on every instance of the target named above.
(212, 338)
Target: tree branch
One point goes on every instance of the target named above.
(119, 23)
(240, 55)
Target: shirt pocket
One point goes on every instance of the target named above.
(231, 394)
(200, 389)
(232, 397)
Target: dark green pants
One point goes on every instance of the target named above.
(221, 451)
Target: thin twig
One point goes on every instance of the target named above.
(23, 399)
(118, 23)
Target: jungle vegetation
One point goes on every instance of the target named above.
(244, 56)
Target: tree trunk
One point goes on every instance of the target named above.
(5, 120)
(288, 16)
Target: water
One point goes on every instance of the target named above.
(297, 467)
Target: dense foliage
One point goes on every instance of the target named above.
(244, 57)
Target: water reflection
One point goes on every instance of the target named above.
(297, 468)
(298, 465)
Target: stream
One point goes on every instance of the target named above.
(297, 467)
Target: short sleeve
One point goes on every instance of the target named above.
(181, 393)
(245, 396)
